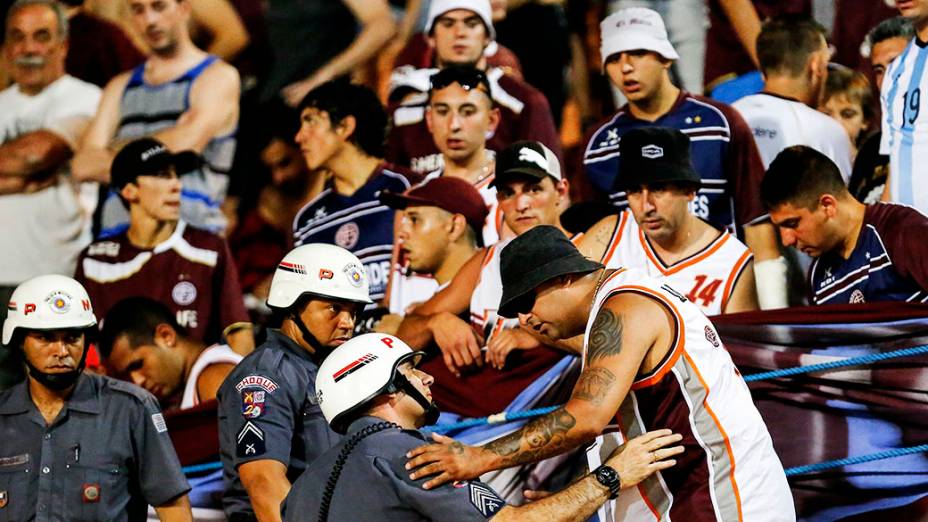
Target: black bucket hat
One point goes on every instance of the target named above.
(539, 255)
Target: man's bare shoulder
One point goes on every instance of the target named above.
(220, 72)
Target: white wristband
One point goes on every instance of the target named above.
(770, 276)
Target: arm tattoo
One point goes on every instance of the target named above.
(542, 438)
(605, 336)
(593, 385)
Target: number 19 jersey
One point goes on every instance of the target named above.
(707, 278)
(905, 130)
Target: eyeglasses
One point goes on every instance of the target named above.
(467, 77)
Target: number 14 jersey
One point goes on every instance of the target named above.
(707, 278)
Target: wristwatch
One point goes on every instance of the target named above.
(609, 477)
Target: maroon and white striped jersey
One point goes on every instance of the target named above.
(192, 273)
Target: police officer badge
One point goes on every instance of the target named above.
(355, 274)
(90, 493)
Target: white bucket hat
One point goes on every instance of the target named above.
(481, 7)
(635, 28)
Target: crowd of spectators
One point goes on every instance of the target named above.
(167, 154)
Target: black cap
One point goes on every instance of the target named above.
(654, 155)
(146, 156)
(538, 255)
(528, 158)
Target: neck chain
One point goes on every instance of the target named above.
(599, 282)
(485, 169)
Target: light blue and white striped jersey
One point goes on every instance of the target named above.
(905, 129)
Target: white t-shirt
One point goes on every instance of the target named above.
(44, 231)
(905, 131)
(779, 122)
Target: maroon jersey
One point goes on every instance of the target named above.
(192, 273)
(524, 115)
(725, 56)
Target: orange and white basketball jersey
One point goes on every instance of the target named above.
(707, 278)
(729, 470)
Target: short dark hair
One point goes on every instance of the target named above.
(786, 42)
(137, 318)
(340, 99)
(896, 27)
(799, 175)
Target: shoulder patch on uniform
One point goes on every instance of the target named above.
(158, 420)
(250, 441)
(256, 381)
(485, 499)
(253, 403)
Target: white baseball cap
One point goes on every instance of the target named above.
(480, 7)
(635, 28)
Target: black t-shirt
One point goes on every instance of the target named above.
(870, 170)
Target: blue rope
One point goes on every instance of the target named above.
(831, 464)
(812, 368)
(852, 361)
(197, 468)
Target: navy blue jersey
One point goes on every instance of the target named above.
(359, 223)
(722, 150)
(889, 262)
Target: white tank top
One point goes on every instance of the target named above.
(215, 354)
(729, 471)
(707, 278)
(484, 301)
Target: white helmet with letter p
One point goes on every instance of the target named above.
(360, 370)
(320, 270)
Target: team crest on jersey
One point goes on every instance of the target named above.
(857, 297)
(711, 336)
(355, 274)
(652, 152)
(256, 381)
(253, 404)
(3, 499)
(184, 293)
(347, 235)
(59, 302)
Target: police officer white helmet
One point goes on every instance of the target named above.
(316, 270)
(360, 370)
(49, 302)
(319, 270)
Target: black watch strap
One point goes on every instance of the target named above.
(608, 477)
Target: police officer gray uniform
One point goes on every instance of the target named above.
(267, 410)
(267, 405)
(375, 485)
(106, 455)
(364, 477)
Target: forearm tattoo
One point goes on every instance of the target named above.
(542, 438)
(605, 336)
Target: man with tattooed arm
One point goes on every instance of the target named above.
(668, 370)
